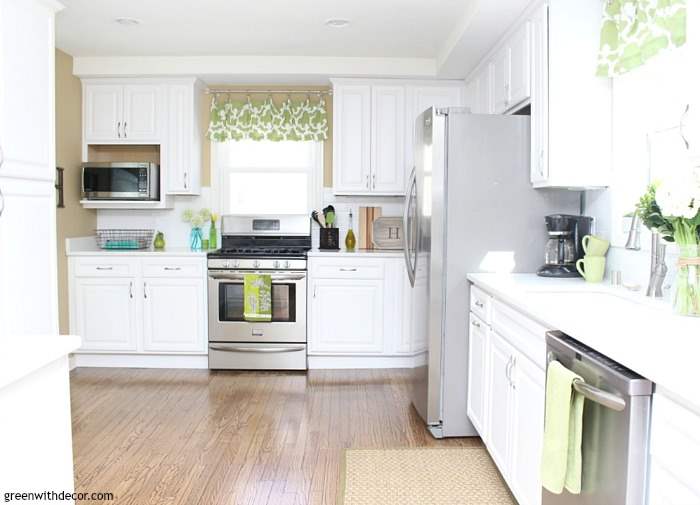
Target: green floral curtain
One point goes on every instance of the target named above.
(263, 120)
(635, 30)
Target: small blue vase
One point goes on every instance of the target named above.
(196, 239)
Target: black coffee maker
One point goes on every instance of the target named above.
(564, 246)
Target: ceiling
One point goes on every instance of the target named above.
(379, 28)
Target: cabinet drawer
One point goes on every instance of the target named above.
(174, 267)
(105, 267)
(526, 335)
(350, 268)
(480, 304)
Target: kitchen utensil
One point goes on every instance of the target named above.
(366, 221)
(591, 268)
(329, 216)
(315, 216)
(594, 246)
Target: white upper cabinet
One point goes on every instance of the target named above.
(547, 60)
(118, 113)
(484, 96)
(351, 138)
(181, 151)
(373, 131)
(140, 112)
(387, 145)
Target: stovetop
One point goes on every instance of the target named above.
(259, 252)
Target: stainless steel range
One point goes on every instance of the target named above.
(259, 244)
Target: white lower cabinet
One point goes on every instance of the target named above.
(122, 304)
(506, 394)
(359, 312)
(172, 314)
(105, 313)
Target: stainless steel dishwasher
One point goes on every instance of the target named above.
(616, 416)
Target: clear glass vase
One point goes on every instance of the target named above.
(196, 239)
(687, 299)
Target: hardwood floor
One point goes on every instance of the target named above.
(200, 437)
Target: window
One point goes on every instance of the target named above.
(267, 177)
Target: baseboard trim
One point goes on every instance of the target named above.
(139, 360)
(348, 362)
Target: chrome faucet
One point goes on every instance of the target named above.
(659, 269)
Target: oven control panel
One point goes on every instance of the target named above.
(256, 264)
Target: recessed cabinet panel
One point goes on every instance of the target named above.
(478, 378)
(500, 401)
(387, 161)
(501, 80)
(141, 121)
(352, 137)
(103, 112)
(519, 88)
(179, 142)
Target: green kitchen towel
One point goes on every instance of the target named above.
(257, 297)
(563, 426)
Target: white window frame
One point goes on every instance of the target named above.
(218, 174)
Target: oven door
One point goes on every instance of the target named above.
(226, 323)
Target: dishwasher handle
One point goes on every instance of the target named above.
(597, 395)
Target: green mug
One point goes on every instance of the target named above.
(591, 268)
(595, 246)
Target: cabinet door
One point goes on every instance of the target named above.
(28, 293)
(501, 80)
(499, 401)
(103, 112)
(471, 95)
(520, 65)
(527, 430)
(174, 314)
(177, 152)
(140, 113)
(26, 91)
(539, 104)
(477, 391)
(347, 316)
(351, 139)
(388, 111)
(105, 312)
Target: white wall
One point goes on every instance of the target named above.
(646, 101)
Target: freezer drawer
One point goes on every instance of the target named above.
(256, 356)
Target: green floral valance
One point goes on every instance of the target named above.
(635, 30)
(264, 120)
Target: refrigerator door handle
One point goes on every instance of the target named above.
(406, 248)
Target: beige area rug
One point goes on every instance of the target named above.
(425, 476)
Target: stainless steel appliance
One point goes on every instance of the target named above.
(616, 418)
(564, 246)
(259, 244)
(120, 181)
(469, 207)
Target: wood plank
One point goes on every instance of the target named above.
(259, 438)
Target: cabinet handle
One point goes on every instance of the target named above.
(172, 269)
(314, 291)
(184, 178)
(348, 269)
(2, 157)
(367, 181)
(145, 293)
(374, 181)
(542, 162)
(2, 203)
(124, 129)
(104, 268)
(512, 366)
(510, 362)
(479, 304)
(119, 131)
(476, 324)
(131, 289)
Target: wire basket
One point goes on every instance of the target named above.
(124, 239)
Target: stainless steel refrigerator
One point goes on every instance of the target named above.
(469, 207)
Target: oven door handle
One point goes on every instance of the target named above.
(229, 348)
(274, 277)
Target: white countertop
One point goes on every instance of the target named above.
(87, 246)
(366, 253)
(22, 355)
(645, 336)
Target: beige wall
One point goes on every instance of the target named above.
(277, 97)
(73, 220)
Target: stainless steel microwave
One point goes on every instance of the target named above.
(120, 181)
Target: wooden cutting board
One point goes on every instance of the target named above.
(366, 218)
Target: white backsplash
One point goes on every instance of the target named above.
(177, 232)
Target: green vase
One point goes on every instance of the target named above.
(212, 236)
